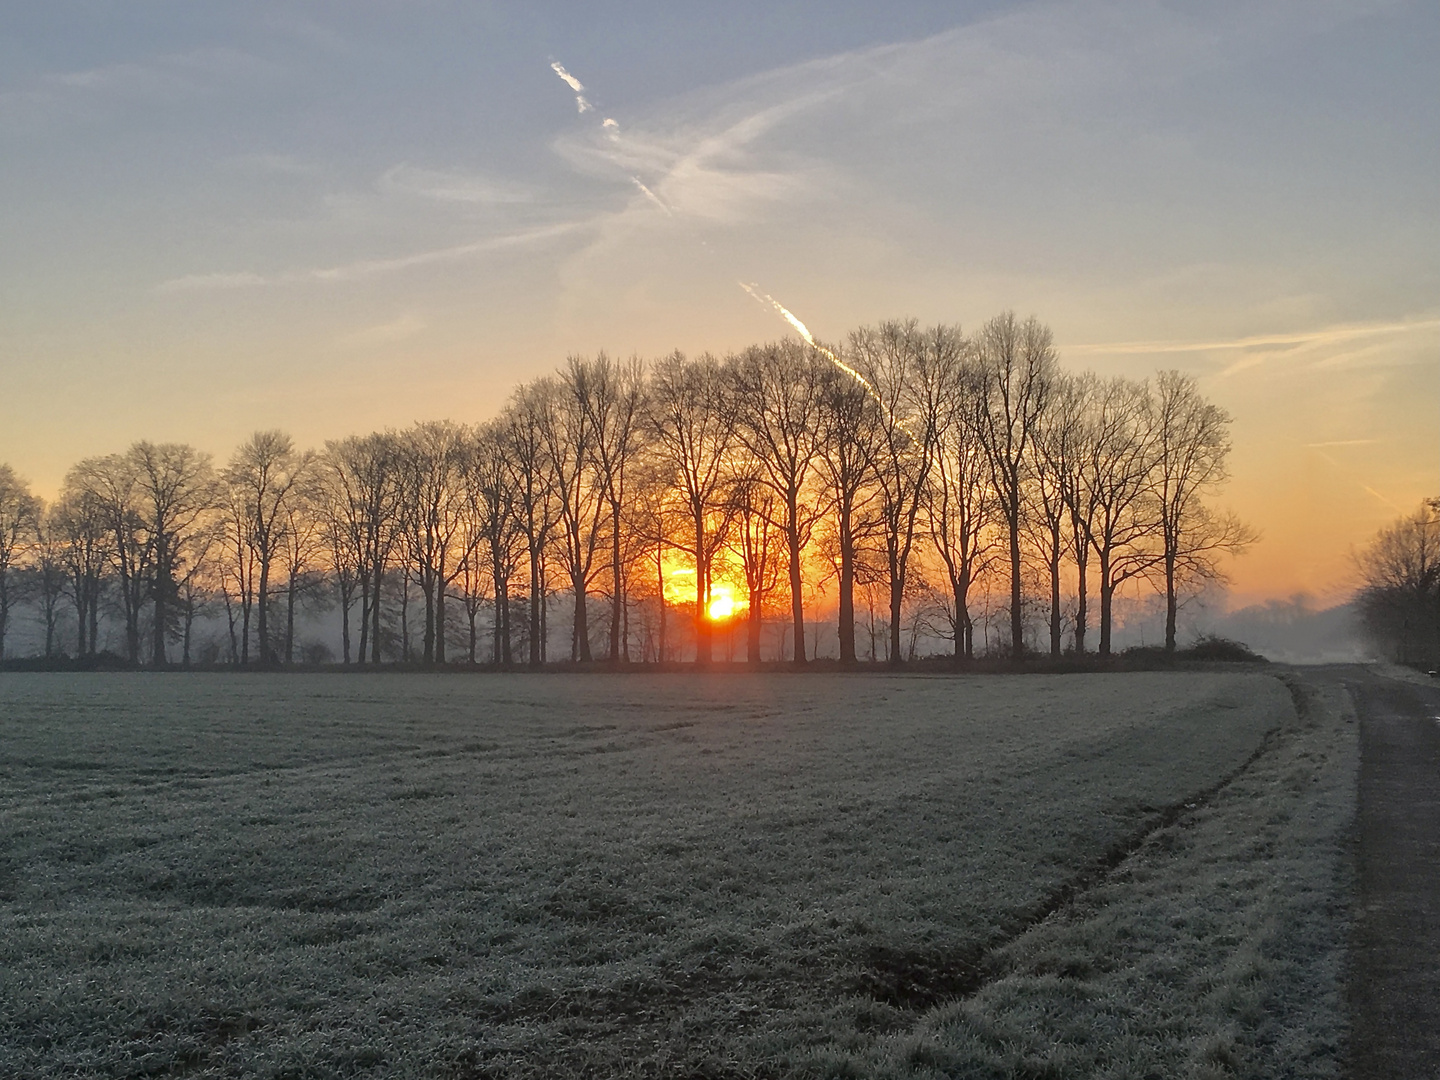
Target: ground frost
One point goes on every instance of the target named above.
(330, 876)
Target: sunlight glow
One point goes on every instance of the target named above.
(722, 603)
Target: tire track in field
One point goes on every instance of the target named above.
(917, 980)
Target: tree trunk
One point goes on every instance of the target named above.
(1171, 606)
(80, 621)
(405, 654)
(1082, 604)
(754, 622)
(536, 623)
(189, 626)
(290, 620)
(1107, 592)
(704, 639)
(660, 573)
(1055, 617)
(162, 593)
(379, 572)
(897, 604)
(440, 614)
(617, 600)
(847, 590)
(580, 649)
(427, 634)
(797, 586)
(502, 649)
(1017, 623)
(345, 627)
(264, 611)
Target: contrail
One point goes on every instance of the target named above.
(574, 84)
(610, 126)
(765, 299)
(651, 196)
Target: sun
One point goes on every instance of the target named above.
(722, 603)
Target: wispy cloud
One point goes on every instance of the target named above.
(1319, 335)
(1258, 349)
(455, 187)
(365, 268)
(370, 267)
(211, 282)
(154, 81)
(400, 329)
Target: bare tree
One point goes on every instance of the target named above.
(79, 521)
(1017, 363)
(691, 417)
(341, 540)
(852, 438)
(175, 488)
(191, 594)
(757, 540)
(362, 478)
(962, 510)
(532, 482)
(263, 478)
(1118, 474)
(568, 430)
(108, 487)
(1193, 438)
(914, 374)
(431, 461)
(1049, 522)
(50, 572)
(1064, 447)
(19, 513)
(1399, 599)
(493, 508)
(303, 543)
(614, 401)
(651, 516)
(777, 393)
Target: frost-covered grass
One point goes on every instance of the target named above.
(660, 875)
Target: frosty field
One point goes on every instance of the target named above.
(669, 875)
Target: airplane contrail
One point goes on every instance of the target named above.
(765, 299)
(610, 126)
(575, 84)
(651, 196)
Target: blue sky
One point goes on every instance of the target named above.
(336, 217)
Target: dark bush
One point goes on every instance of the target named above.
(1214, 647)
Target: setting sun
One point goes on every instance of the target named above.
(722, 603)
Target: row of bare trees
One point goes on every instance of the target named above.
(917, 462)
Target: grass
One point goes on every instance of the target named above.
(580, 875)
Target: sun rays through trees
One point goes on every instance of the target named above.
(909, 491)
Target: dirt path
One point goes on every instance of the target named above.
(1395, 954)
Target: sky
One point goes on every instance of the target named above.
(332, 218)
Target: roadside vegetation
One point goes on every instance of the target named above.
(1121, 875)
